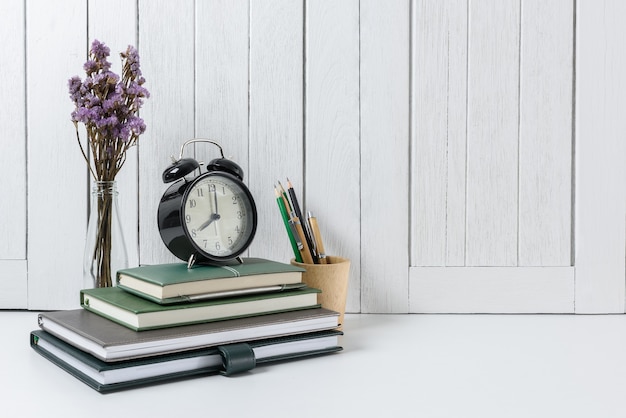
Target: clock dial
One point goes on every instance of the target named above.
(218, 216)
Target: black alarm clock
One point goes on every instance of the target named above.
(209, 218)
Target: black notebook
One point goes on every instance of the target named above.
(225, 359)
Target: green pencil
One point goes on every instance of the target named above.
(285, 216)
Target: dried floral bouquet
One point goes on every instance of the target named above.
(108, 107)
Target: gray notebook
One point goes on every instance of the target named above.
(111, 342)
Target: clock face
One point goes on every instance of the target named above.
(219, 216)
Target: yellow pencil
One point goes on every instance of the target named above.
(305, 252)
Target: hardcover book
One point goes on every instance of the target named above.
(107, 377)
(109, 341)
(174, 282)
(140, 314)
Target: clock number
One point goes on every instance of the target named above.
(193, 233)
(240, 214)
(187, 218)
(200, 192)
(192, 203)
(230, 241)
(234, 200)
(217, 246)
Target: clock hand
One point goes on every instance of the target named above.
(216, 214)
(212, 190)
(214, 217)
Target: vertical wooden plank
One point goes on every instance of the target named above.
(57, 174)
(276, 116)
(167, 64)
(384, 155)
(118, 30)
(222, 33)
(492, 155)
(600, 149)
(457, 132)
(13, 272)
(545, 144)
(332, 130)
(438, 120)
(429, 123)
(13, 138)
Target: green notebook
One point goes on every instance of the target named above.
(140, 314)
(174, 282)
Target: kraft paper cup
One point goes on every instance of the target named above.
(332, 280)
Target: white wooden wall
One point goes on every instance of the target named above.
(466, 155)
(517, 186)
(493, 166)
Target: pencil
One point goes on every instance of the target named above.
(305, 251)
(283, 194)
(298, 213)
(288, 226)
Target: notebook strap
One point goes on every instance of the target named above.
(236, 358)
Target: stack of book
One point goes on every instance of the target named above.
(164, 322)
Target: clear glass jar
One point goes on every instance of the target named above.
(105, 247)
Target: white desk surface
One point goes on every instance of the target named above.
(392, 366)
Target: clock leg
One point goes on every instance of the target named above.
(191, 261)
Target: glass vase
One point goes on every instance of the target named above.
(105, 248)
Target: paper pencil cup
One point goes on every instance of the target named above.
(332, 280)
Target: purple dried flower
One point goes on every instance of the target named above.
(132, 60)
(75, 86)
(107, 105)
(137, 125)
(99, 50)
(90, 66)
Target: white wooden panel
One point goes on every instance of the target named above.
(57, 181)
(457, 132)
(492, 289)
(384, 155)
(492, 133)
(118, 30)
(14, 290)
(166, 47)
(545, 144)
(13, 138)
(222, 34)
(600, 150)
(332, 130)
(429, 131)
(276, 116)
(438, 121)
